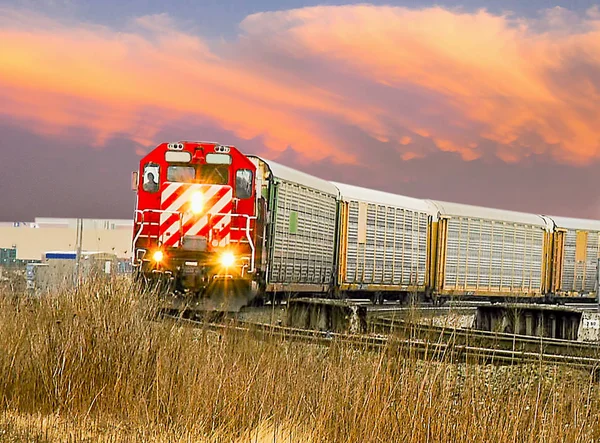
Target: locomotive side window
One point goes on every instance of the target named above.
(181, 174)
(151, 177)
(243, 183)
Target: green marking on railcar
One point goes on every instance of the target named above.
(293, 222)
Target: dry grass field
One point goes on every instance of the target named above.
(90, 366)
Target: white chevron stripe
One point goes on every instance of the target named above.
(183, 199)
(217, 208)
(169, 190)
(200, 224)
(170, 230)
(176, 206)
(179, 206)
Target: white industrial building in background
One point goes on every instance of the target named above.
(32, 239)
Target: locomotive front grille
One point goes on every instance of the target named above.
(198, 243)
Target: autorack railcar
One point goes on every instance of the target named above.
(300, 229)
(384, 242)
(488, 252)
(576, 249)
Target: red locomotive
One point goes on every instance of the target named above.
(195, 223)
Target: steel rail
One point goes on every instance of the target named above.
(449, 350)
(495, 339)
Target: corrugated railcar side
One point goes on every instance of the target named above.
(490, 252)
(383, 243)
(301, 232)
(577, 250)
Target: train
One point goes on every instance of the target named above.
(217, 229)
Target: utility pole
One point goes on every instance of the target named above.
(598, 286)
(78, 256)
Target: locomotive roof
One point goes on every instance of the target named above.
(295, 176)
(350, 192)
(575, 223)
(461, 210)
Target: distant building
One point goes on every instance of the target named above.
(26, 241)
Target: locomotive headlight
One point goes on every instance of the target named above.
(197, 203)
(158, 256)
(227, 259)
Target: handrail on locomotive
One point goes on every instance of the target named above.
(142, 223)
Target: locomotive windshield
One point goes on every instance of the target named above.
(183, 174)
(216, 169)
(207, 174)
(214, 174)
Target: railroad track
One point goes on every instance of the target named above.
(425, 311)
(495, 340)
(448, 346)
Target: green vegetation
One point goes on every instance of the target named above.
(94, 366)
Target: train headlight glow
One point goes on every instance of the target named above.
(158, 256)
(227, 259)
(197, 202)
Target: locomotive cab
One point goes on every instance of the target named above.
(195, 223)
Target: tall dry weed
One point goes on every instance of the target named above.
(94, 365)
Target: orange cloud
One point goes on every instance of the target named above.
(469, 83)
(500, 77)
(405, 140)
(65, 76)
(406, 156)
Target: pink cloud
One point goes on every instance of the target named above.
(473, 84)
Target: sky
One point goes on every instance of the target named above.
(480, 102)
